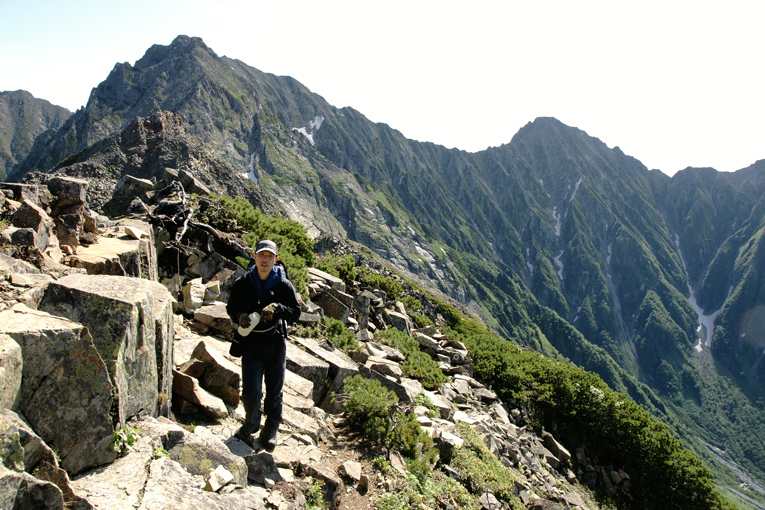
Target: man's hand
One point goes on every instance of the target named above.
(244, 320)
(269, 311)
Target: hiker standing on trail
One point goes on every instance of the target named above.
(266, 290)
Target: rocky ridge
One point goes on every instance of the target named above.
(94, 348)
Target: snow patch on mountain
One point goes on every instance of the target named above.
(529, 265)
(312, 127)
(576, 188)
(706, 328)
(251, 173)
(559, 263)
(556, 216)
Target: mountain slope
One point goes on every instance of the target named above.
(22, 119)
(561, 243)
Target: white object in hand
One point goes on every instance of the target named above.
(254, 319)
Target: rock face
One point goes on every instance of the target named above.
(67, 393)
(22, 119)
(119, 313)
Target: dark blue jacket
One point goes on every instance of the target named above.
(250, 294)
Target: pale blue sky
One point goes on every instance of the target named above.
(672, 83)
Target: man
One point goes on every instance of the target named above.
(264, 289)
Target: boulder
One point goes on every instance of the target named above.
(69, 192)
(329, 280)
(127, 189)
(340, 368)
(201, 451)
(10, 372)
(119, 312)
(215, 316)
(140, 481)
(22, 450)
(190, 389)
(117, 253)
(332, 306)
(193, 295)
(31, 216)
(308, 367)
(66, 391)
(22, 490)
(220, 376)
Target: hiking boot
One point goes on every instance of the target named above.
(245, 434)
(267, 438)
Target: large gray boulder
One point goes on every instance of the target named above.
(201, 451)
(119, 312)
(308, 367)
(21, 450)
(116, 252)
(24, 491)
(220, 377)
(340, 368)
(143, 481)
(10, 372)
(66, 391)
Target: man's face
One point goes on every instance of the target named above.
(265, 261)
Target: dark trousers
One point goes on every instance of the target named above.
(263, 358)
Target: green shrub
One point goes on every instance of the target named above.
(419, 320)
(418, 365)
(436, 491)
(390, 285)
(340, 336)
(585, 411)
(342, 267)
(367, 405)
(377, 411)
(123, 438)
(480, 469)
(314, 496)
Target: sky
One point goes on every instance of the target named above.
(671, 83)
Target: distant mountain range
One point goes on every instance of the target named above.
(22, 119)
(559, 242)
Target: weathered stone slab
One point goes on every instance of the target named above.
(10, 372)
(202, 450)
(215, 316)
(332, 306)
(12, 265)
(119, 256)
(23, 450)
(164, 343)
(400, 321)
(22, 490)
(330, 280)
(309, 367)
(301, 423)
(189, 388)
(340, 368)
(193, 295)
(220, 377)
(68, 192)
(137, 481)
(119, 313)
(66, 391)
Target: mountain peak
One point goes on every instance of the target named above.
(181, 45)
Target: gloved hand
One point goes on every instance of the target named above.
(269, 311)
(244, 320)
